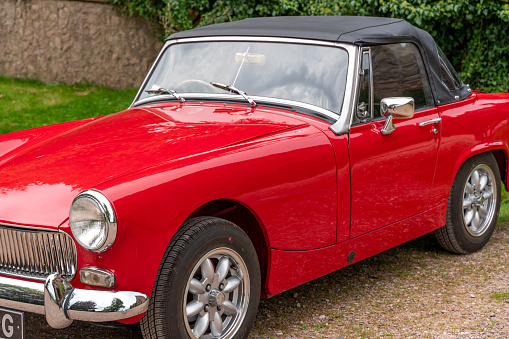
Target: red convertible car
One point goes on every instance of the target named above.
(258, 155)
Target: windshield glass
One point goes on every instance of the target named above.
(310, 74)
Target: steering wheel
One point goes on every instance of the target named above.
(194, 85)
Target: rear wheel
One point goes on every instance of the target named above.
(474, 203)
(208, 284)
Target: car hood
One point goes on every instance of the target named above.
(38, 183)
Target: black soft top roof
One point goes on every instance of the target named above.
(328, 28)
(359, 30)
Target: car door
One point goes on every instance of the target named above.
(391, 175)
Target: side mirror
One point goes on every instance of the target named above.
(396, 108)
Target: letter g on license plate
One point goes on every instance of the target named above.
(12, 324)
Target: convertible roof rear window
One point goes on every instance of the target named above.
(449, 76)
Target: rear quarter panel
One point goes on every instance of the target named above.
(478, 124)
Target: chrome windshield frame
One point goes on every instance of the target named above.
(342, 119)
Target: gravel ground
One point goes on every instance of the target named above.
(416, 290)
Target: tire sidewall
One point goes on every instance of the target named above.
(465, 240)
(221, 234)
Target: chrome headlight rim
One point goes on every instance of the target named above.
(109, 213)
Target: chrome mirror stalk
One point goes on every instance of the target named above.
(388, 127)
(395, 108)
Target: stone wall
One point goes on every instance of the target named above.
(74, 41)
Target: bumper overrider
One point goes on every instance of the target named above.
(62, 303)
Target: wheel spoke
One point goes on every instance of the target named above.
(229, 308)
(483, 212)
(222, 268)
(201, 325)
(231, 284)
(483, 182)
(469, 188)
(193, 308)
(207, 270)
(475, 179)
(216, 325)
(487, 194)
(476, 221)
(467, 204)
(196, 287)
(469, 216)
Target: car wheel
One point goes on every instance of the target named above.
(474, 203)
(208, 284)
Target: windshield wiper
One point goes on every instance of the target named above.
(234, 90)
(161, 90)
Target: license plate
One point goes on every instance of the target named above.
(13, 324)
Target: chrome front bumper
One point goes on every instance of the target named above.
(62, 303)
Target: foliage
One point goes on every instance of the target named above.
(473, 33)
(504, 206)
(151, 9)
(30, 103)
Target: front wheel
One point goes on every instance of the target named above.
(474, 204)
(208, 284)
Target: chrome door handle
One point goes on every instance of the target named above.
(429, 122)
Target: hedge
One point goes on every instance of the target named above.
(473, 33)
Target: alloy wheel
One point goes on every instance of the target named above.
(217, 295)
(479, 200)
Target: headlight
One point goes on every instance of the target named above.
(93, 221)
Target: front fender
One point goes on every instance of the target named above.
(288, 179)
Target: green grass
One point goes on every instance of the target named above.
(504, 206)
(500, 295)
(30, 103)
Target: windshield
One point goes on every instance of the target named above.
(310, 74)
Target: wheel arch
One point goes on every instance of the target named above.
(248, 221)
(501, 157)
(497, 149)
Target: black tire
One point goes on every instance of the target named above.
(202, 244)
(473, 207)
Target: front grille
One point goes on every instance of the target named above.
(35, 254)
